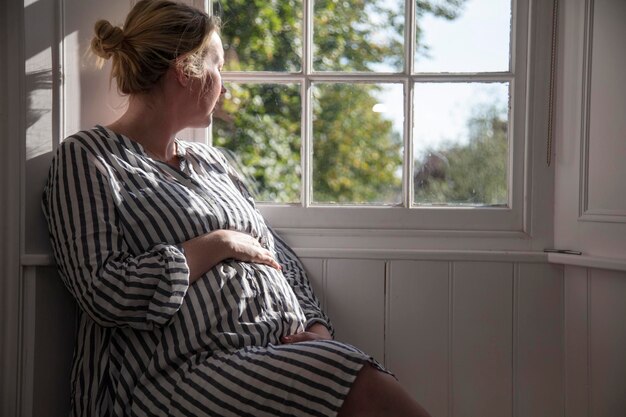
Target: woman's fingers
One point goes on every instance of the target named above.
(300, 337)
(246, 248)
(266, 258)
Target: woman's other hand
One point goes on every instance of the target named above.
(206, 251)
(315, 332)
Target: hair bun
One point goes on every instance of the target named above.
(107, 39)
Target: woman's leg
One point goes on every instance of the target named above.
(377, 394)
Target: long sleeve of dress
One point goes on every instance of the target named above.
(112, 285)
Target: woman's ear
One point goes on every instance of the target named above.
(181, 76)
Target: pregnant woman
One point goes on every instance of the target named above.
(189, 304)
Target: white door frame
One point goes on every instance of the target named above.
(12, 122)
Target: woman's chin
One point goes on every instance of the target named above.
(204, 123)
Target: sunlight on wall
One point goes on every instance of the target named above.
(72, 107)
(39, 104)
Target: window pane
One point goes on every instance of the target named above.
(471, 36)
(358, 35)
(357, 143)
(261, 35)
(260, 125)
(460, 143)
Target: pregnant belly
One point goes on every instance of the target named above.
(235, 305)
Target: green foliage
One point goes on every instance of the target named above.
(349, 164)
(473, 173)
(261, 125)
(354, 35)
(261, 35)
(357, 154)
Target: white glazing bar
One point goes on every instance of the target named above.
(513, 37)
(407, 171)
(307, 108)
(263, 77)
(281, 77)
(409, 56)
(511, 148)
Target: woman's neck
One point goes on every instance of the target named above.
(151, 125)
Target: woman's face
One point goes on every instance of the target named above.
(208, 96)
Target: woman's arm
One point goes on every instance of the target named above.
(206, 251)
(114, 287)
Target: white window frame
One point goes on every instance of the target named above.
(527, 72)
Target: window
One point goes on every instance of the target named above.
(369, 114)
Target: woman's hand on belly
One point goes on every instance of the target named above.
(243, 247)
(206, 251)
(316, 332)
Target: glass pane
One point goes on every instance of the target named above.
(358, 35)
(460, 143)
(457, 36)
(261, 35)
(357, 143)
(260, 125)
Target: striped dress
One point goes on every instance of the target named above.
(148, 342)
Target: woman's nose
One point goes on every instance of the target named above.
(224, 90)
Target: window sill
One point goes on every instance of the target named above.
(598, 262)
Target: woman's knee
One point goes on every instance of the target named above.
(376, 393)
(365, 394)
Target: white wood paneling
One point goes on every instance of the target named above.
(355, 302)
(55, 336)
(29, 342)
(48, 340)
(417, 336)
(607, 343)
(465, 338)
(587, 132)
(539, 340)
(605, 144)
(576, 376)
(482, 319)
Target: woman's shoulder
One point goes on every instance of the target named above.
(92, 140)
(206, 152)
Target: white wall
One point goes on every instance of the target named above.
(595, 330)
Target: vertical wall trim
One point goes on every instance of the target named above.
(588, 335)
(387, 310)
(324, 280)
(12, 134)
(563, 339)
(450, 338)
(585, 114)
(564, 343)
(515, 340)
(27, 365)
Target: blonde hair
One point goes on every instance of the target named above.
(156, 35)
